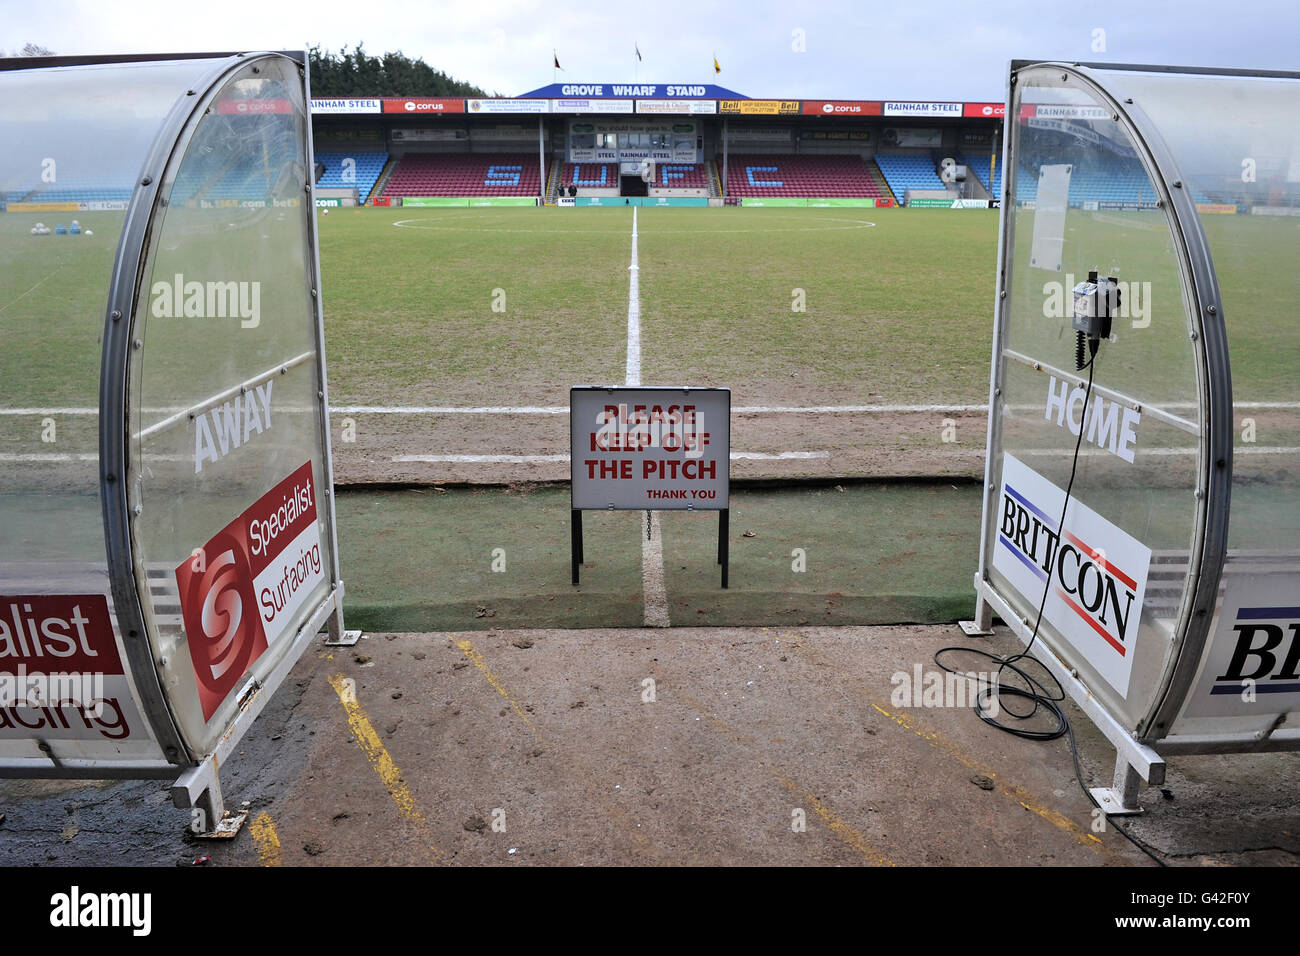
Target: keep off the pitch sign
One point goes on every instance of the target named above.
(650, 448)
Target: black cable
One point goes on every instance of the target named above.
(1035, 691)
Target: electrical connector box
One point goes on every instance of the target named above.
(1095, 302)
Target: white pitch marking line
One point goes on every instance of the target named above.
(32, 289)
(49, 411)
(782, 456)
(842, 409)
(652, 573)
(449, 410)
(500, 459)
(80, 456)
(1163, 452)
(51, 456)
(633, 314)
(524, 459)
(563, 410)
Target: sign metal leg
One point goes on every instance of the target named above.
(575, 543)
(724, 557)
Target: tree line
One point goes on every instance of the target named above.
(355, 73)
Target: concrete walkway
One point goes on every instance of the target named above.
(775, 746)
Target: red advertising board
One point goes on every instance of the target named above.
(64, 632)
(61, 676)
(419, 105)
(382, 201)
(841, 107)
(241, 590)
(985, 110)
(253, 107)
(884, 203)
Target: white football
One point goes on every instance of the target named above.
(89, 233)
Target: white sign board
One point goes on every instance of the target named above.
(507, 106)
(1095, 575)
(688, 107)
(345, 106)
(1253, 666)
(1048, 249)
(591, 106)
(650, 448)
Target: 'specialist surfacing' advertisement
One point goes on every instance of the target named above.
(61, 676)
(243, 590)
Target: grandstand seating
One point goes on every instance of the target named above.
(904, 171)
(979, 167)
(465, 174)
(680, 176)
(809, 176)
(1094, 178)
(592, 175)
(70, 192)
(368, 166)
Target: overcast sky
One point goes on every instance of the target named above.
(845, 50)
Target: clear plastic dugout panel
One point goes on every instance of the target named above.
(1171, 598)
(166, 511)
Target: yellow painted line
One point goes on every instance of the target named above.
(839, 827)
(1016, 793)
(615, 812)
(469, 650)
(370, 744)
(265, 839)
(845, 831)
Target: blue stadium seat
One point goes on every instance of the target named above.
(345, 169)
(904, 171)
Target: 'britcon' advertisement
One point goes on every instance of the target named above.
(1096, 574)
(243, 589)
(1253, 668)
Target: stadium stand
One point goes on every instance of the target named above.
(979, 167)
(465, 174)
(807, 176)
(368, 166)
(1094, 178)
(75, 191)
(680, 176)
(904, 171)
(598, 175)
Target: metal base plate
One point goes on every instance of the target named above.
(972, 629)
(346, 639)
(1111, 802)
(228, 828)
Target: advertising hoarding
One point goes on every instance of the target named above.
(758, 107)
(679, 107)
(424, 105)
(345, 106)
(844, 108)
(507, 106)
(921, 109)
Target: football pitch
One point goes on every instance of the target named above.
(856, 342)
(841, 332)
(828, 306)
